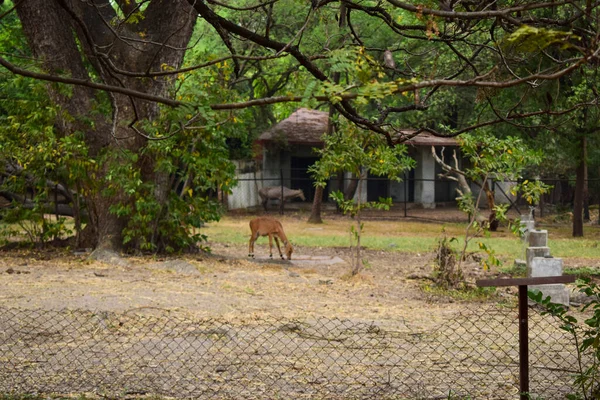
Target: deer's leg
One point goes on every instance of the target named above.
(278, 248)
(271, 245)
(253, 238)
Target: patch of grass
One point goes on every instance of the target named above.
(514, 270)
(403, 236)
(583, 272)
(469, 294)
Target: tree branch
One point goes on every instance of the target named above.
(87, 83)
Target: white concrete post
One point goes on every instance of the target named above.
(424, 178)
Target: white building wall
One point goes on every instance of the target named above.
(362, 189)
(424, 177)
(245, 193)
(500, 197)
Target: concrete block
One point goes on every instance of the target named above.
(545, 266)
(525, 227)
(538, 238)
(525, 217)
(558, 293)
(532, 252)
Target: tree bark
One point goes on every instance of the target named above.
(492, 220)
(67, 34)
(579, 191)
(315, 213)
(586, 193)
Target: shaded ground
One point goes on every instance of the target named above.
(221, 284)
(228, 284)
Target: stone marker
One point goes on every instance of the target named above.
(540, 263)
(549, 266)
(532, 252)
(538, 238)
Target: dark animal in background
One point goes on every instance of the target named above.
(274, 192)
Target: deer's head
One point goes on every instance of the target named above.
(288, 250)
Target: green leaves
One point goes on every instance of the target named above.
(586, 335)
(529, 39)
(354, 150)
(502, 159)
(531, 191)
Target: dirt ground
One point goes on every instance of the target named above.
(222, 284)
(228, 284)
(254, 303)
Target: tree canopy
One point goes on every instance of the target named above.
(144, 102)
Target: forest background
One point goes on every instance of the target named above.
(126, 115)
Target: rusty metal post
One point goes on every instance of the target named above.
(523, 344)
(522, 283)
(405, 193)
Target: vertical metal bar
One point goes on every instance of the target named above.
(56, 200)
(281, 200)
(523, 344)
(405, 193)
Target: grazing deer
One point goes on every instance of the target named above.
(274, 192)
(265, 226)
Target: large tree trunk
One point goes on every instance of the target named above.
(315, 214)
(579, 192)
(65, 34)
(586, 193)
(492, 220)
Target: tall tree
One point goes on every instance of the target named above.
(453, 63)
(118, 44)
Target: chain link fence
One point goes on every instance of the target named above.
(474, 355)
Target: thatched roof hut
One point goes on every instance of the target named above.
(307, 127)
(304, 126)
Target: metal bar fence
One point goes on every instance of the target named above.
(403, 193)
(474, 355)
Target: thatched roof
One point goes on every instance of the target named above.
(304, 126)
(307, 127)
(427, 139)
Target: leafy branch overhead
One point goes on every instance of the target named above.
(146, 102)
(434, 49)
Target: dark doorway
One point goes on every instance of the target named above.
(301, 179)
(411, 186)
(377, 186)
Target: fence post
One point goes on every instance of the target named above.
(405, 193)
(523, 343)
(522, 283)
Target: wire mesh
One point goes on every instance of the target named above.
(474, 355)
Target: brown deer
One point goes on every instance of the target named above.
(266, 226)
